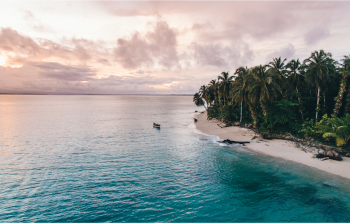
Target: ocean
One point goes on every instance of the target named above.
(97, 158)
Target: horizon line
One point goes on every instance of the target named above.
(95, 94)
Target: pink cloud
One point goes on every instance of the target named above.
(26, 48)
(214, 36)
(12, 41)
(286, 51)
(260, 20)
(155, 47)
(35, 23)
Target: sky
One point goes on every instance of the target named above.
(156, 47)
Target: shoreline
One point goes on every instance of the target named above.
(276, 147)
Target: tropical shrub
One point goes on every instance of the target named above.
(212, 112)
(310, 129)
(337, 128)
(281, 118)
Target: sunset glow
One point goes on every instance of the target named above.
(159, 47)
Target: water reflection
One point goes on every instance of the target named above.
(98, 158)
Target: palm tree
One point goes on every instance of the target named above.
(295, 79)
(263, 89)
(278, 69)
(225, 83)
(340, 96)
(205, 94)
(240, 87)
(198, 101)
(213, 90)
(319, 65)
(344, 71)
(346, 63)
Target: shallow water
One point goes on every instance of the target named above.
(98, 158)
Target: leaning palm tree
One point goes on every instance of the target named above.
(198, 101)
(226, 80)
(319, 66)
(262, 88)
(205, 94)
(239, 89)
(295, 79)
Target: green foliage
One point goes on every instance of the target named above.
(263, 88)
(212, 112)
(281, 95)
(229, 113)
(337, 128)
(198, 101)
(224, 113)
(308, 129)
(282, 118)
(342, 89)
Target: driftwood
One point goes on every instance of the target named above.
(220, 126)
(319, 150)
(233, 142)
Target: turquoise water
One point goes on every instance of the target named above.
(98, 158)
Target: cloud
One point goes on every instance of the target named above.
(210, 54)
(287, 51)
(63, 72)
(24, 48)
(56, 78)
(12, 41)
(189, 43)
(55, 67)
(222, 55)
(201, 26)
(316, 34)
(104, 62)
(157, 47)
(140, 71)
(238, 19)
(35, 23)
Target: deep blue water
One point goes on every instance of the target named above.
(98, 158)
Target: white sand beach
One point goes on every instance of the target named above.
(278, 148)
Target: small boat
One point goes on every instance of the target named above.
(155, 125)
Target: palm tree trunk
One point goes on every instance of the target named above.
(339, 98)
(241, 110)
(264, 108)
(318, 101)
(254, 116)
(300, 106)
(347, 100)
(219, 98)
(324, 102)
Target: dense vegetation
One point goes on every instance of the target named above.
(310, 99)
